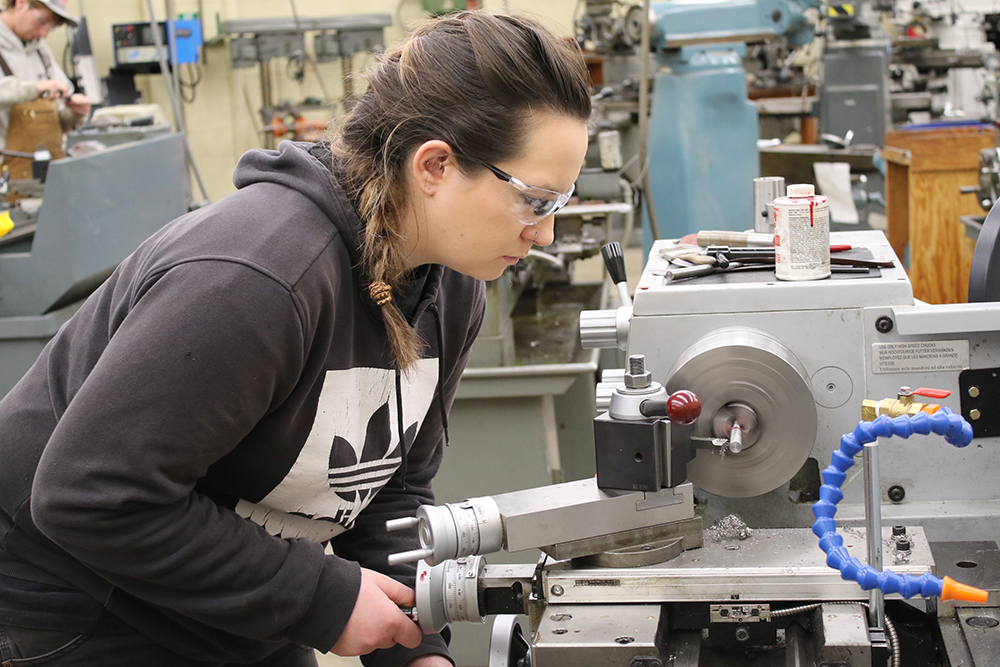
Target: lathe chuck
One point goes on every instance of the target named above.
(747, 367)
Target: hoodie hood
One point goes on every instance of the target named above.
(305, 168)
(14, 48)
(8, 40)
(294, 165)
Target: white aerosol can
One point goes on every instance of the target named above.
(802, 234)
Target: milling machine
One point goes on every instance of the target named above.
(702, 130)
(735, 428)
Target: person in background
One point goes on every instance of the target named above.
(28, 66)
(199, 467)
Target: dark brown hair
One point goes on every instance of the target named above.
(471, 79)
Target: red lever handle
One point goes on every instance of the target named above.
(932, 393)
(683, 406)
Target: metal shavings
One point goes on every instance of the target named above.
(853, 532)
(729, 528)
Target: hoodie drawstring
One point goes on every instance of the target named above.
(400, 426)
(438, 330)
(440, 388)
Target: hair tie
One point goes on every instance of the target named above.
(380, 292)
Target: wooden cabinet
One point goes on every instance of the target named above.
(925, 170)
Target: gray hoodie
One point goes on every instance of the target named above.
(221, 407)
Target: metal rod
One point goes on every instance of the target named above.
(670, 275)
(308, 57)
(165, 67)
(175, 71)
(401, 524)
(410, 556)
(347, 74)
(29, 156)
(644, 45)
(736, 438)
(267, 102)
(873, 531)
(175, 105)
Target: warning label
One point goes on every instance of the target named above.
(934, 355)
(808, 237)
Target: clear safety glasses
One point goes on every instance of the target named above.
(529, 204)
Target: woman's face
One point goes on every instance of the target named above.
(476, 224)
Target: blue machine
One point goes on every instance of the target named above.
(702, 146)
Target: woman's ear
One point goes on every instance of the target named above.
(430, 164)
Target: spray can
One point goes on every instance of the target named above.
(802, 234)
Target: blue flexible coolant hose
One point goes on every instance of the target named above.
(956, 431)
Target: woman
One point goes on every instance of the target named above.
(272, 373)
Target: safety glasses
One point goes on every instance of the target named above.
(529, 204)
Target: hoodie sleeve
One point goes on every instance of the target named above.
(15, 91)
(200, 356)
(368, 542)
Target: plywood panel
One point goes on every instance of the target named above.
(897, 201)
(940, 251)
(925, 172)
(942, 149)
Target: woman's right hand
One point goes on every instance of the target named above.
(377, 621)
(52, 89)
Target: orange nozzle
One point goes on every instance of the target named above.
(952, 590)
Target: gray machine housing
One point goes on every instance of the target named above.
(855, 92)
(857, 338)
(95, 210)
(760, 592)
